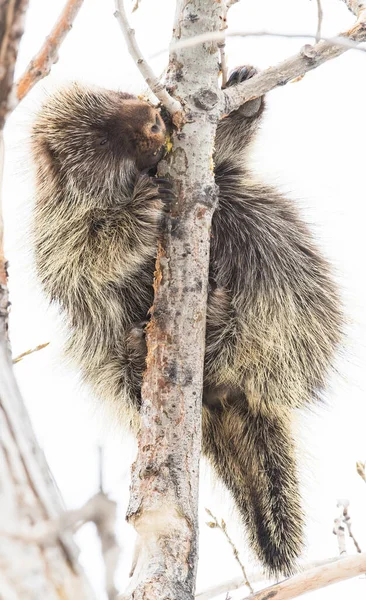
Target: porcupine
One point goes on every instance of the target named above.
(274, 318)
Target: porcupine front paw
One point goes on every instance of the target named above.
(238, 75)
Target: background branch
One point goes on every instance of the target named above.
(28, 352)
(40, 66)
(100, 510)
(28, 492)
(12, 15)
(222, 43)
(360, 468)
(221, 35)
(172, 105)
(320, 20)
(314, 579)
(256, 577)
(222, 526)
(309, 58)
(346, 518)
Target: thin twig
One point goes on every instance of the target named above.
(101, 468)
(360, 467)
(314, 579)
(218, 36)
(223, 64)
(215, 524)
(309, 58)
(40, 66)
(339, 531)
(222, 44)
(12, 15)
(346, 518)
(320, 21)
(36, 349)
(172, 105)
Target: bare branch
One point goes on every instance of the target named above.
(36, 349)
(360, 467)
(346, 518)
(100, 510)
(220, 35)
(160, 91)
(320, 21)
(221, 44)
(40, 66)
(12, 14)
(339, 531)
(223, 528)
(314, 579)
(296, 66)
(256, 577)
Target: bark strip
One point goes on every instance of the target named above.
(41, 65)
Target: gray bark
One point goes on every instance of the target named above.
(28, 494)
(164, 492)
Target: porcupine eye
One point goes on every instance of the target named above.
(103, 141)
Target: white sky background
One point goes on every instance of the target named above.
(312, 146)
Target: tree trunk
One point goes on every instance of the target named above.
(28, 494)
(164, 495)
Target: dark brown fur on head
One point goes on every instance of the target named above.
(89, 133)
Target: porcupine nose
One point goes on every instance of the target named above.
(157, 127)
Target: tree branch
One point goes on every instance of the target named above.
(314, 579)
(222, 526)
(309, 58)
(221, 45)
(12, 13)
(256, 577)
(221, 35)
(320, 21)
(172, 105)
(40, 66)
(360, 468)
(339, 531)
(346, 519)
(100, 510)
(28, 352)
